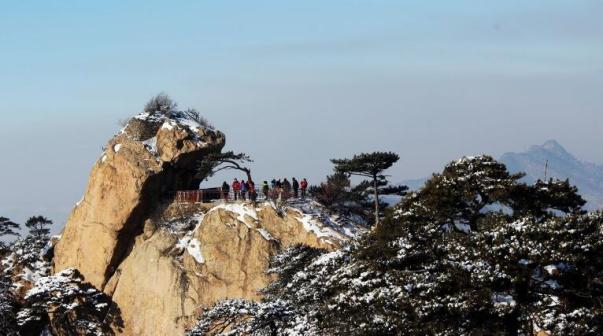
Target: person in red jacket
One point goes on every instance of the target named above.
(236, 188)
(304, 186)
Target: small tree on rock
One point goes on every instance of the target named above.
(371, 165)
(38, 227)
(215, 162)
(161, 103)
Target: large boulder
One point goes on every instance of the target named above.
(223, 252)
(126, 183)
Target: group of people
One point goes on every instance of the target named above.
(287, 187)
(246, 189)
(241, 190)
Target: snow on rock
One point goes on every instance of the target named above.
(315, 218)
(462, 227)
(168, 125)
(194, 249)
(503, 300)
(265, 234)
(116, 148)
(191, 245)
(151, 145)
(240, 209)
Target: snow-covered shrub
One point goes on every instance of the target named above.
(196, 116)
(161, 103)
(28, 260)
(8, 309)
(67, 305)
(240, 317)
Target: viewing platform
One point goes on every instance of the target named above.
(215, 194)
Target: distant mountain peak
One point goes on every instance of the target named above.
(552, 148)
(562, 165)
(552, 145)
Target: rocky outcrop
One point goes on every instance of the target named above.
(126, 183)
(161, 262)
(171, 275)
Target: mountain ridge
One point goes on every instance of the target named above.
(587, 176)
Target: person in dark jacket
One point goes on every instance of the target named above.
(252, 194)
(225, 190)
(244, 188)
(286, 188)
(295, 186)
(265, 189)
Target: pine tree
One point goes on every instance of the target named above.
(8, 309)
(365, 190)
(458, 195)
(215, 162)
(371, 165)
(8, 227)
(334, 192)
(38, 227)
(543, 198)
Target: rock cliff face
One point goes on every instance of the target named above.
(181, 265)
(153, 155)
(162, 262)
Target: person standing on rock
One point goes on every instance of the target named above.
(266, 189)
(236, 189)
(244, 189)
(225, 190)
(295, 185)
(251, 187)
(304, 187)
(287, 187)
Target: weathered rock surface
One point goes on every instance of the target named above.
(169, 276)
(124, 185)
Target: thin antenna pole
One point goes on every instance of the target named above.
(546, 169)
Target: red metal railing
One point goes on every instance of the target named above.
(208, 195)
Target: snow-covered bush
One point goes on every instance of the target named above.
(161, 103)
(67, 305)
(8, 309)
(28, 260)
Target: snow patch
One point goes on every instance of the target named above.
(499, 300)
(265, 234)
(190, 244)
(194, 249)
(151, 145)
(116, 148)
(240, 209)
(168, 125)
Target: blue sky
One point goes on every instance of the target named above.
(294, 83)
